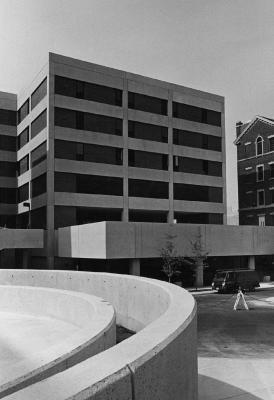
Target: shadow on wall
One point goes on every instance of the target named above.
(213, 389)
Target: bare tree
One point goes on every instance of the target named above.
(200, 254)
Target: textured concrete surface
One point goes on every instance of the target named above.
(236, 348)
(159, 362)
(144, 239)
(21, 238)
(44, 331)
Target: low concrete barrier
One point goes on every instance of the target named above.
(95, 331)
(159, 362)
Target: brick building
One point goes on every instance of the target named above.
(255, 154)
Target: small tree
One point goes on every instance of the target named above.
(171, 261)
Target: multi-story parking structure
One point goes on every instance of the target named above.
(95, 143)
(255, 152)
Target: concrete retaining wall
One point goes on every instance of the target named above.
(159, 362)
(94, 317)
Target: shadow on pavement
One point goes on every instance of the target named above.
(213, 389)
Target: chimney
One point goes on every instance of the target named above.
(239, 125)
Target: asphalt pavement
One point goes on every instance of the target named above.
(236, 348)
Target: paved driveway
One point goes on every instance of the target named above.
(236, 348)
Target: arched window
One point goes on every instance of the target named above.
(259, 145)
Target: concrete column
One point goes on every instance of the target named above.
(134, 266)
(251, 262)
(170, 216)
(199, 278)
(125, 152)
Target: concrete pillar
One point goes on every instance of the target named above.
(199, 278)
(251, 262)
(134, 266)
(170, 215)
(125, 210)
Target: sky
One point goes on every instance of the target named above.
(221, 46)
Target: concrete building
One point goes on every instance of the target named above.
(98, 144)
(255, 153)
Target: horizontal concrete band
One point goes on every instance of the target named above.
(95, 331)
(21, 238)
(159, 362)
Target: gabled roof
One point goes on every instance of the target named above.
(253, 122)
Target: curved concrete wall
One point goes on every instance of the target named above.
(159, 362)
(96, 331)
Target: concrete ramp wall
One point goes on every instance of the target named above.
(159, 362)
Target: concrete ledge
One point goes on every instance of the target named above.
(93, 318)
(21, 238)
(159, 362)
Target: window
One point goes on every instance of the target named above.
(23, 138)
(88, 91)
(88, 152)
(259, 145)
(261, 220)
(39, 154)
(39, 94)
(7, 143)
(145, 159)
(23, 193)
(197, 166)
(271, 143)
(196, 114)
(260, 197)
(272, 195)
(39, 185)
(23, 165)
(39, 123)
(90, 184)
(8, 195)
(260, 173)
(23, 111)
(7, 168)
(89, 122)
(198, 193)
(146, 103)
(148, 189)
(140, 130)
(7, 117)
(198, 140)
(271, 166)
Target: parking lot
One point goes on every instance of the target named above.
(236, 348)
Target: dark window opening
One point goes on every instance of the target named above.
(198, 193)
(87, 91)
(88, 152)
(23, 138)
(39, 154)
(8, 195)
(39, 185)
(197, 166)
(39, 94)
(147, 216)
(148, 189)
(7, 143)
(23, 193)
(199, 218)
(89, 122)
(145, 159)
(89, 184)
(23, 165)
(261, 199)
(39, 124)
(23, 111)
(8, 169)
(7, 117)
(140, 130)
(196, 114)
(197, 140)
(146, 103)
(259, 146)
